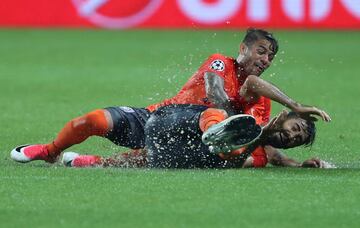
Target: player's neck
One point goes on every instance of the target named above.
(240, 72)
(265, 137)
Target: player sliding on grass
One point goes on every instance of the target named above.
(198, 137)
(192, 136)
(222, 82)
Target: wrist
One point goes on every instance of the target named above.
(295, 164)
(294, 106)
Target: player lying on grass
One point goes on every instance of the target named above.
(191, 136)
(223, 82)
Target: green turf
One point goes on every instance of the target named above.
(48, 77)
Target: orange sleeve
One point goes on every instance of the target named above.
(260, 158)
(232, 154)
(217, 64)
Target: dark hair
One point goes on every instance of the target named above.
(253, 34)
(310, 129)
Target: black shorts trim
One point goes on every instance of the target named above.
(129, 123)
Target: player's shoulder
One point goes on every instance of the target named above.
(220, 62)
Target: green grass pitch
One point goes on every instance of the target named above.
(49, 77)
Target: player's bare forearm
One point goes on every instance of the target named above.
(276, 158)
(254, 87)
(249, 163)
(214, 87)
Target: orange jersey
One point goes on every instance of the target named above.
(193, 92)
(259, 156)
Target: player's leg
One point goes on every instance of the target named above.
(123, 126)
(173, 139)
(128, 126)
(132, 159)
(210, 117)
(224, 134)
(95, 123)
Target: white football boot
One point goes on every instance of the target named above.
(231, 134)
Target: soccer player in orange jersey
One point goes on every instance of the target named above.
(221, 82)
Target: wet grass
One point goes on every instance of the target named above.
(48, 77)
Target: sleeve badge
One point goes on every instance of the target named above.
(218, 65)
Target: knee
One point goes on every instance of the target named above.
(94, 121)
(215, 112)
(211, 116)
(94, 116)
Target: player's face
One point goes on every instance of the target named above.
(288, 133)
(256, 58)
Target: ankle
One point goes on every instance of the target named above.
(53, 150)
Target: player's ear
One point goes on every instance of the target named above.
(283, 114)
(243, 48)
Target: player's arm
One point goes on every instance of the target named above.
(215, 92)
(254, 87)
(249, 163)
(277, 158)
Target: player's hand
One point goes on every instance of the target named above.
(317, 163)
(307, 111)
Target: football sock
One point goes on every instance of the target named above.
(78, 130)
(87, 160)
(210, 117)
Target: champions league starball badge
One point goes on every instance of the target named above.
(91, 11)
(218, 65)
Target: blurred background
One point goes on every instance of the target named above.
(235, 14)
